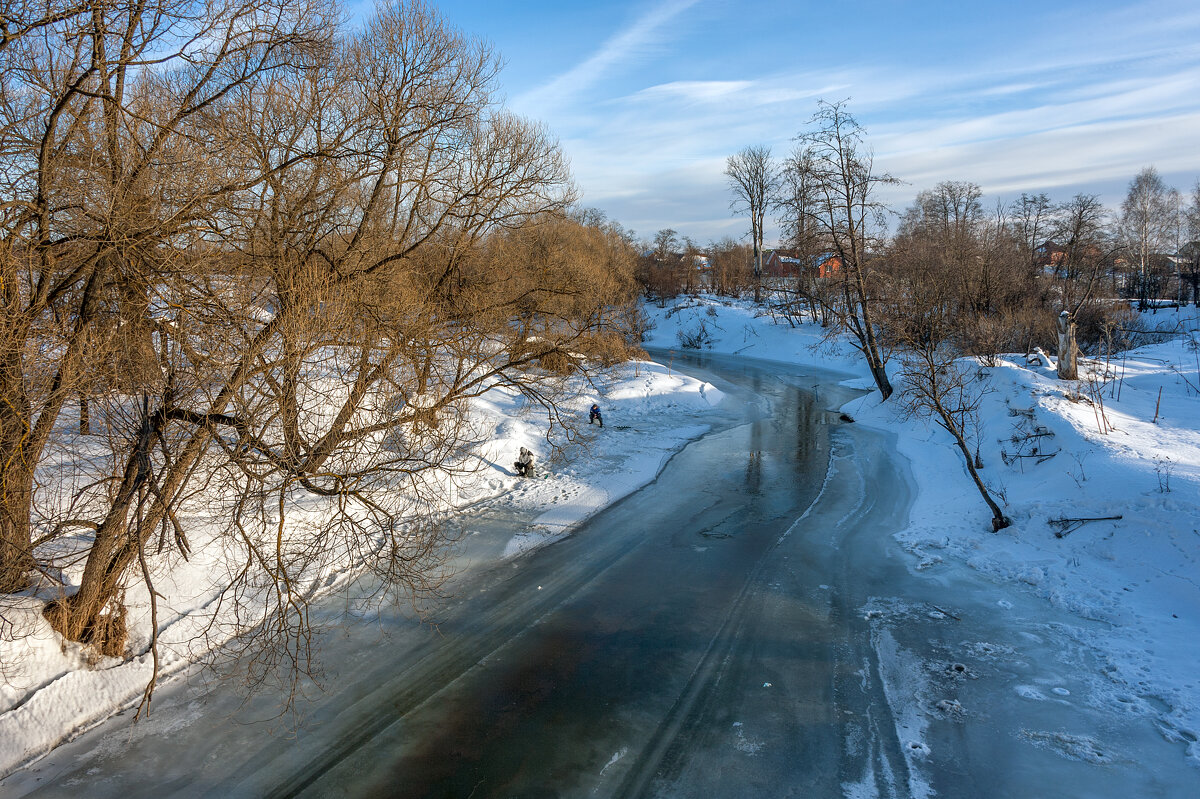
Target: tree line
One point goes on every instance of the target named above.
(1002, 275)
(948, 276)
(253, 266)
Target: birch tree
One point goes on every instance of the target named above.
(752, 181)
(1145, 227)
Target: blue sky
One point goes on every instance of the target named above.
(649, 98)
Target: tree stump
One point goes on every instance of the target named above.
(1068, 366)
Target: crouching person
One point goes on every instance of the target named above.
(524, 464)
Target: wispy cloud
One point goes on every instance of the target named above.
(1123, 99)
(1073, 158)
(650, 116)
(693, 91)
(620, 50)
(724, 95)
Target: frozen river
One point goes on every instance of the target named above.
(742, 627)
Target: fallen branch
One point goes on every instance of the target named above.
(943, 610)
(1015, 438)
(1041, 457)
(1185, 380)
(1068, 525)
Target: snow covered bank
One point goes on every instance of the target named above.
(51, 690)
(1124, 443)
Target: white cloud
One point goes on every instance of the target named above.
(619, 50)
(1069, 157)
(693, 91)
(729, 98)
(1049, 112)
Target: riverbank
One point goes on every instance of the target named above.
(51, 690)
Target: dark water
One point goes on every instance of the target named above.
(659, 609)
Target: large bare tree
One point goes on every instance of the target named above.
(752, 179)
(100, 115)
(277, 259)
(1145, 228)
(1032, 220)
(852, 219)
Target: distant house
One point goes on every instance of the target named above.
(790, 263)
(1049, 254)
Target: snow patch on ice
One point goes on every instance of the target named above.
(904, 681)
(1084, 748)
(620, 753)
(743, 744)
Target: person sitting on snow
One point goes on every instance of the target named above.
(594, 415)
(524, 464)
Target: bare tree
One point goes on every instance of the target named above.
(280, 263)
(666, 243)
(797, 203)
(952, 215)
(1082, 228)
(752, 180)
(851, 218)
(98, 114)
(1032, 221)
(977, 254)
(1145, 227)
(928, 321)
(1191, 250)
(728, 272)
(658, 267)
(23, 17)
(798, 209)
(940, 384)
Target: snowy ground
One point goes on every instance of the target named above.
(1133, 584)
(51, 690)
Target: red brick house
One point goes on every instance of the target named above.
(1050, 254)
(790, 263)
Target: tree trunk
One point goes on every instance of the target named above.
(16, 476)
(91, 615)
(16, 544)
(757, 269)
(870, 343)
(879, 373)
(999, 520)
(1068, 366)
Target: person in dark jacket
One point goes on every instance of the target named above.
(524, 464)
(594, 415)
